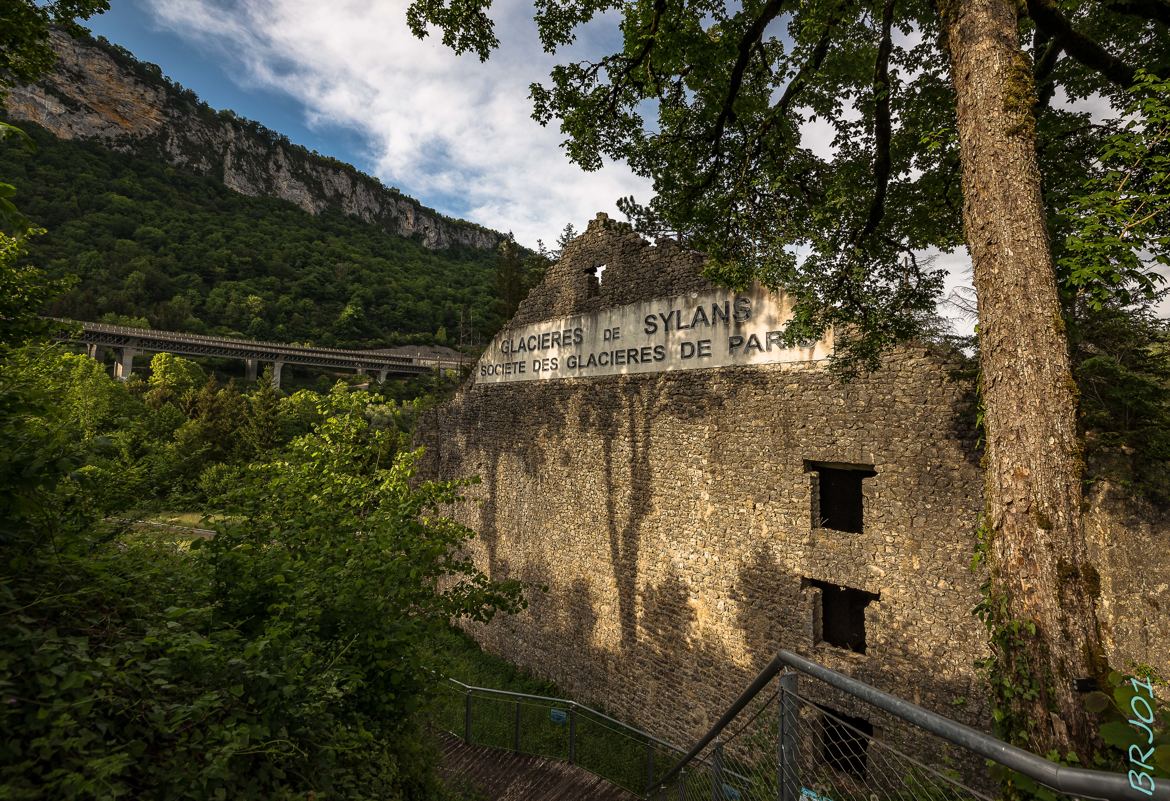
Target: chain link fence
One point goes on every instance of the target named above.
(786, 747)
(811, 735)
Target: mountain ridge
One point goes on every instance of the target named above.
(99, 91)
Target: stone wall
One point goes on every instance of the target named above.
(673, 516)
(1130, 544)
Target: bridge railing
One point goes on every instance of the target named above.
(370, 359)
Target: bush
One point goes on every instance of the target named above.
(283, 659)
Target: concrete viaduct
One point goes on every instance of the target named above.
(129, 342)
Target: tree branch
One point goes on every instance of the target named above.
(1046, 52)
(634, 63)
(1155, 10)
(747, 44)
(800, 79)
(881, 122)
(1088, 52)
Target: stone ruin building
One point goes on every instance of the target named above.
(689, 522)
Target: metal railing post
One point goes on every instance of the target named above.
(573, 734)
(467, 718)
(682, 785)
(789, 771)
(649, 764)
(516, 730)
(717, 772)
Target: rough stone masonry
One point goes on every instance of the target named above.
(689, 522)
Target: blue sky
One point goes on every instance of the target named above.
(347, 79)
(131, 24)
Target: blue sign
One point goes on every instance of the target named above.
(558, 716)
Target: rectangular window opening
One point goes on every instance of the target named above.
(842, 614)
(837, 500)
(593, 280)
(845, 742)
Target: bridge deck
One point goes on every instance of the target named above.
(145, 339)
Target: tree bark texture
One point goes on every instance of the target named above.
(1037, 557)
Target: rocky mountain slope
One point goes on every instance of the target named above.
(100, 91)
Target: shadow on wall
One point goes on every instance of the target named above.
(675, 682)
(526, 462)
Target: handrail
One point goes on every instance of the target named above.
(764, 676)
(568, 702)
(1069, 780)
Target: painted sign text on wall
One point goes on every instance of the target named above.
(716, 328)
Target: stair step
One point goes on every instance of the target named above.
(508, 776)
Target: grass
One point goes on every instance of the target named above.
(458, 656)
(189, 519)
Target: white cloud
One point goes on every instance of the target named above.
(440, 126)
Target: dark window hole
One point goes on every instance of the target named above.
(837, 501)
(845, 742)
(843, 614)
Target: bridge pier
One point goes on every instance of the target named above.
(250, 370)
(276, 368)
(382, 374)
(124, 365)
(96, 352)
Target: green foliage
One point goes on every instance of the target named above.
(125, 320)
(262, 428)
(509, 277)
(287, 658)
(233, 264)
(512, 279)
(23, 290)
(1119, 223)
(1122, 730)
(1121, 358)
(172, 379)
(11, 220)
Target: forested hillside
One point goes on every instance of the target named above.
(147, 240)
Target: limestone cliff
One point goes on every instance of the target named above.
(99, 91)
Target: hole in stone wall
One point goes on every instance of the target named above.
(593, 280)
(837, 495)
(842, 615)
(845, 742)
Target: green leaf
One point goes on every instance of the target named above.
(1118, 734)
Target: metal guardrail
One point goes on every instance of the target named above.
(792, 747)
(555, 728)
(785, 746)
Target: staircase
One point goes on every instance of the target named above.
(507, 776)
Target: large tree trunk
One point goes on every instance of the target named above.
(1037, 557)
